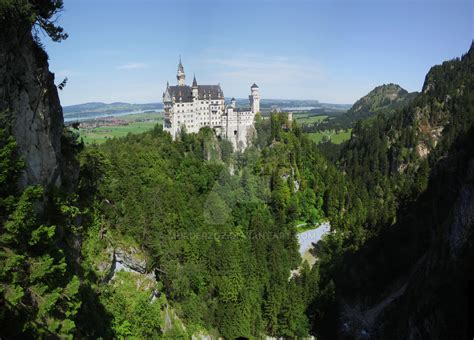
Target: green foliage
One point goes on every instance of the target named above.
(401, 167)
(36, 14)
(136, 313)
(223, 245)
(10, 170)
(39, 296)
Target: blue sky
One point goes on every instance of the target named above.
(332, 51)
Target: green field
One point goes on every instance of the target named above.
(307, 119)
(336, 138)
(158, 116)
(138, 123)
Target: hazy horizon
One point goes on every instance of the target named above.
(237, 98)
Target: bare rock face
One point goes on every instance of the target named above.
(30, 107)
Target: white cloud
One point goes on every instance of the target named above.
(132, 66)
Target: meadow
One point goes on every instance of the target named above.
(335, 137)
(305, 118)
(137, 123)
(317, 137)
(142, 122)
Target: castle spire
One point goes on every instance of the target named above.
(195, 88)
(166, 94)
(180, 75)
(180, 66)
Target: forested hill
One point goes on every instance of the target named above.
(410, 279)
(382, 99)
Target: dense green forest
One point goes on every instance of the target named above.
(218, 228)
(414, 165)
(221, 245)
(206, 237)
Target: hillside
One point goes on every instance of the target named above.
(416, 167)
(383, 99)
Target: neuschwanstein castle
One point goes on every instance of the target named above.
(197, 106)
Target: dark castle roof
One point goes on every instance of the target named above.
(186, 92)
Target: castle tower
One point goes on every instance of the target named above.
(180, 76)
(254, 99)
(232, 103)
(195, 88)
(166, 94)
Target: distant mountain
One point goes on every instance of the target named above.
(98, 109)
(383, 99)
(112, 107)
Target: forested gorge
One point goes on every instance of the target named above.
(206, 237)
(221, 235)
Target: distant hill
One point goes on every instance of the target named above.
(98, 109)
(383, 99)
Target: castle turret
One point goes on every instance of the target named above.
(195, 88)
(180, 75)
(166, 94)
(232, 102)
(254, 98)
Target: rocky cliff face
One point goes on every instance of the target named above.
(30, 106)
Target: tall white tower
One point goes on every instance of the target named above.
(254, 99)
(180, 76)
(195, 88)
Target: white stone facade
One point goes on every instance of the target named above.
(193, 107)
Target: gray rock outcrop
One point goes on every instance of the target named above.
(30, 107)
